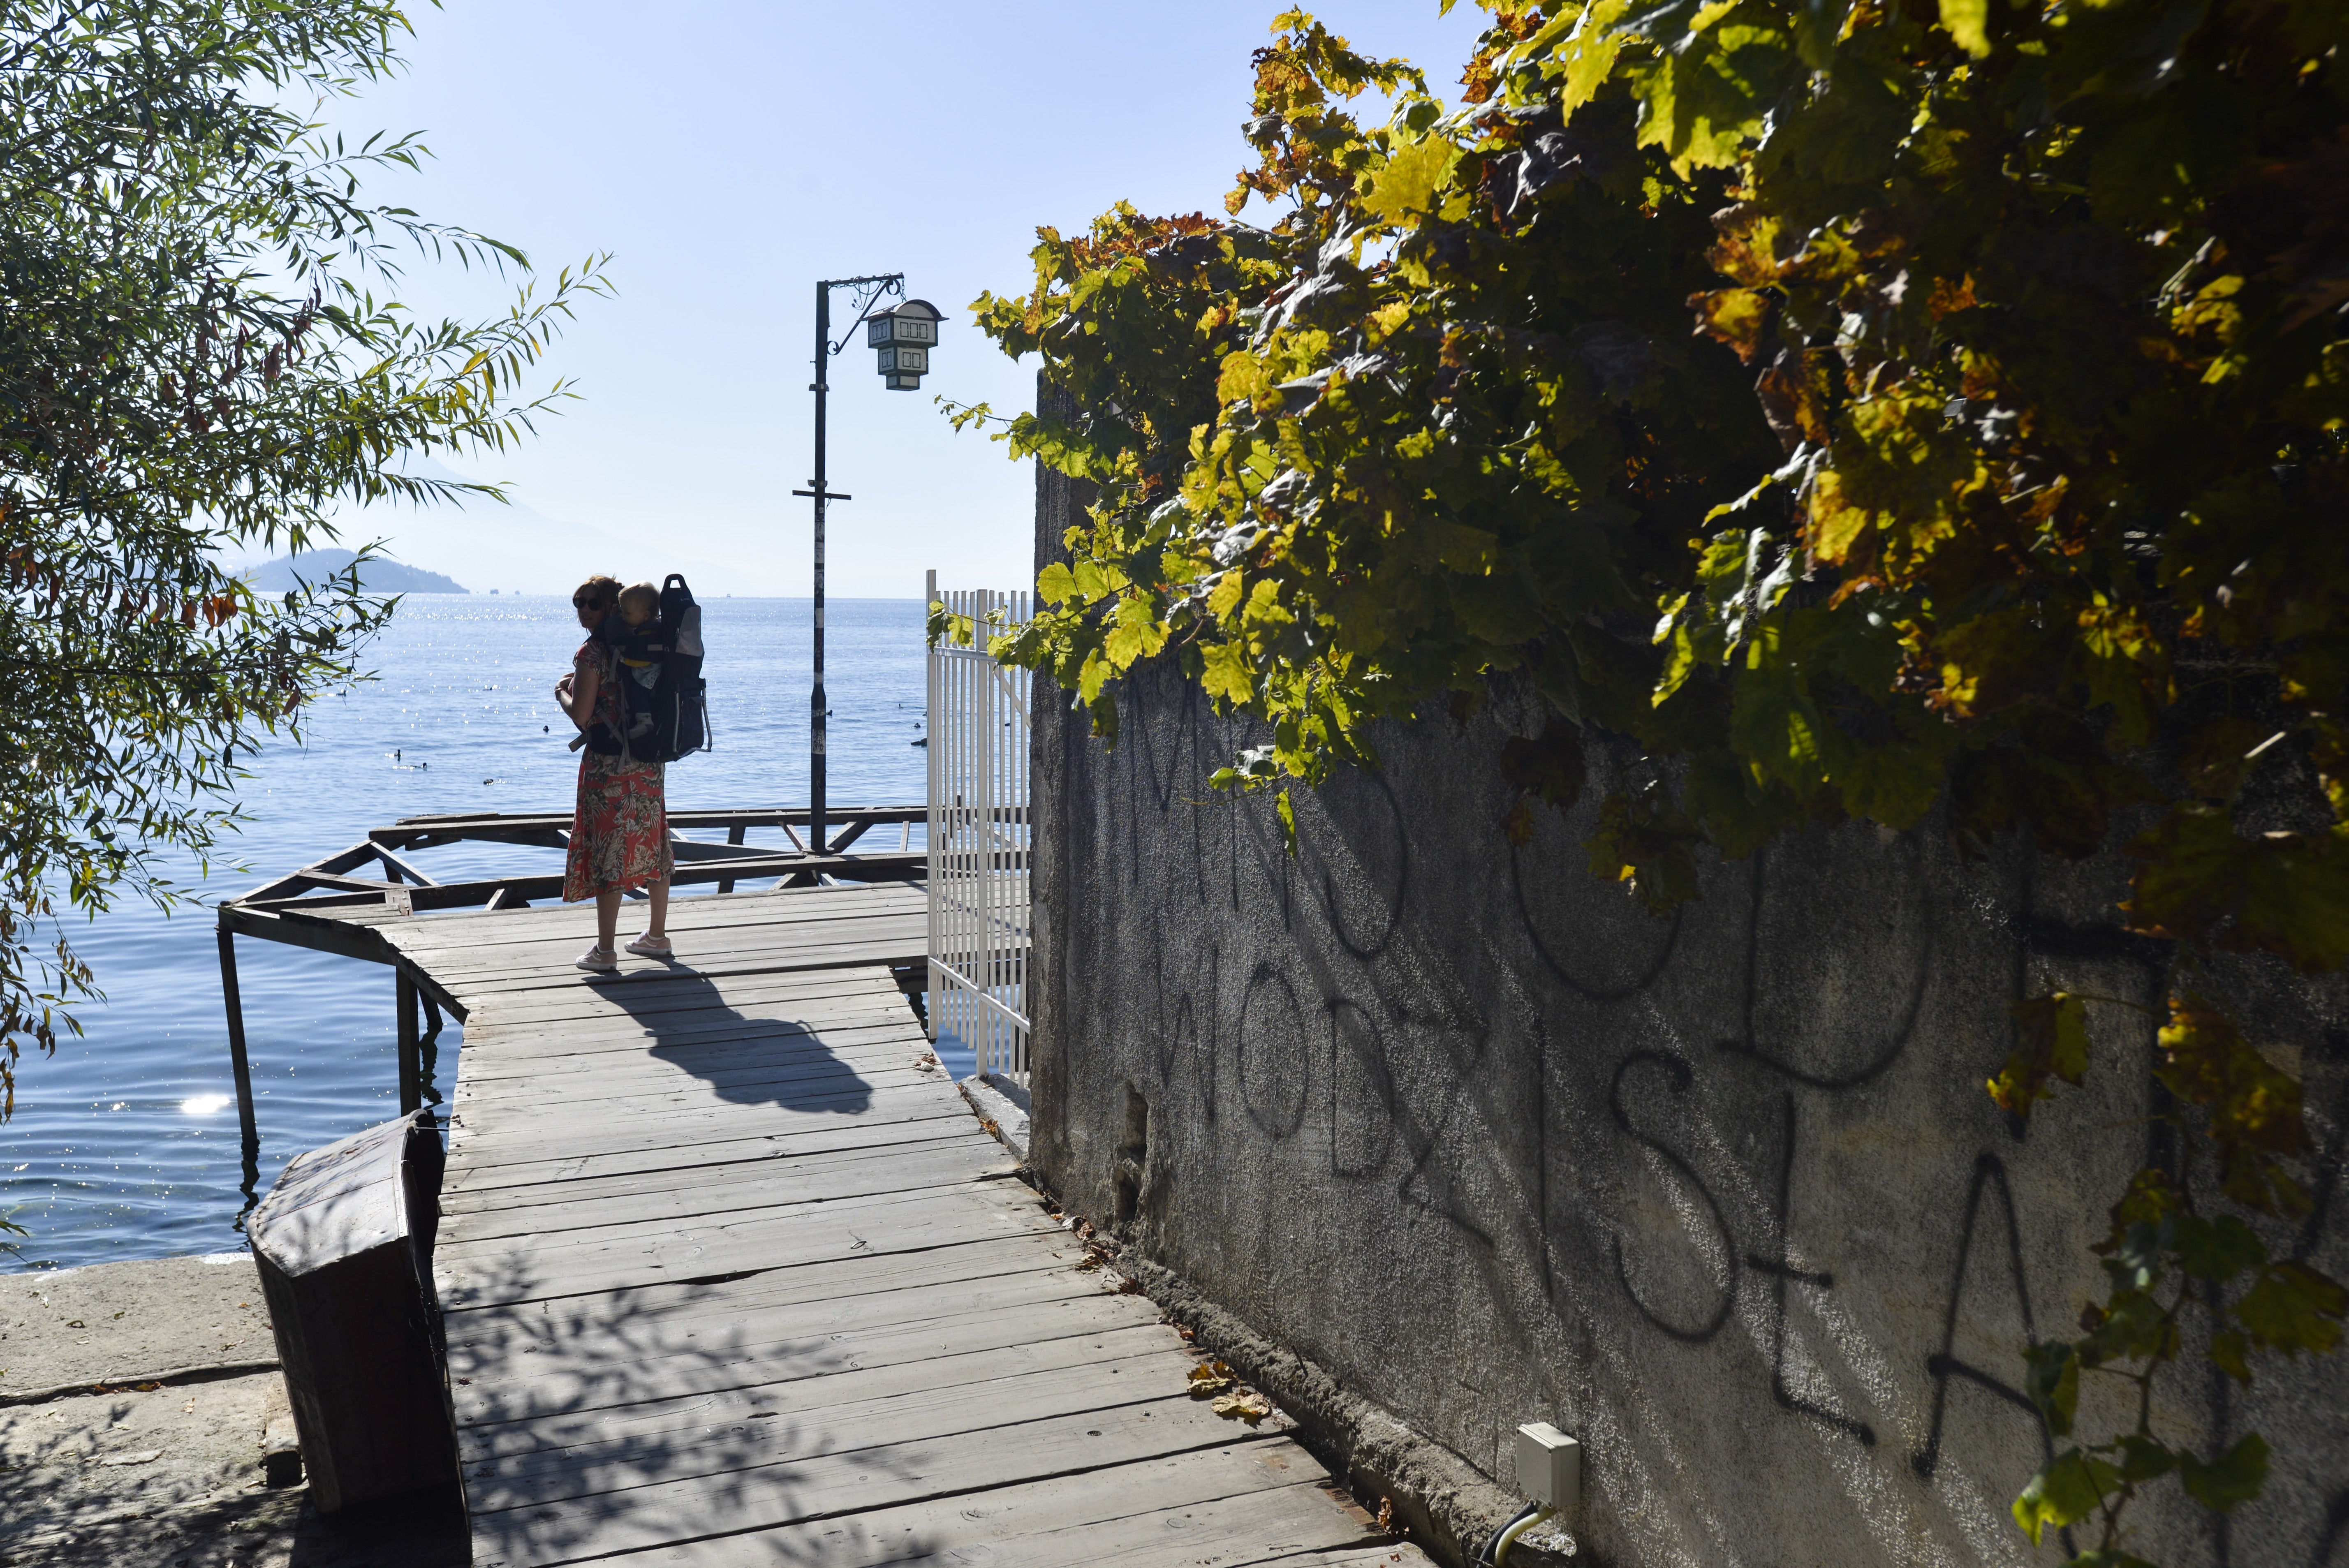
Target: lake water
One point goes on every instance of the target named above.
(124, 1144)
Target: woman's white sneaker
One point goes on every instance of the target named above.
(651, 945)
(598, 960)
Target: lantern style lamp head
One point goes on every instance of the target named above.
(904, 337)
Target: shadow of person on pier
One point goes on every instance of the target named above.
(765, 1055)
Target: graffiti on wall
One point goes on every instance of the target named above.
(1543, 1099)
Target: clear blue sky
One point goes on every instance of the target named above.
(728, 153)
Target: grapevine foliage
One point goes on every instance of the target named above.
(1865, 406)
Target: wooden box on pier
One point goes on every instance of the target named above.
(344, 1243)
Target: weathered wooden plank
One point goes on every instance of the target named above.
(643, 981)
(641, 992)
(1234, 1507)
(547, 1211)
(842, 1227)
(687, 912)
(842, 1091)
(715, 1025)
(745, 1078)
(344, 939)
(513, 1269)
(514, 1121)
(624, 1030)
(783, 976)
(938, 1399)
(980, 1264)
(772, 916)
(636, 977)
(856, 1032)
(617, 1010)
(608, 1403)
(521, 1140)
(487, 1168)
(542, 964)
(753, 1163)
(642, 1365)
(847, 1479)
(780, 966)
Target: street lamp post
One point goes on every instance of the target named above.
(904, 337)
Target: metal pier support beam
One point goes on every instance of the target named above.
(411, 1054)
(237, 1062)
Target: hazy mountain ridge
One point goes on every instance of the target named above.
(377, 575)
(512, 547)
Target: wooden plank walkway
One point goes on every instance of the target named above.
(733, 1276)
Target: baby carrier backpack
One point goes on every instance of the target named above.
(679, 706)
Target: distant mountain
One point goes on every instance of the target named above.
(523, 551)
(516, 549)
(376, 576)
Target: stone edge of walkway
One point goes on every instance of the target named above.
(1002, 1107)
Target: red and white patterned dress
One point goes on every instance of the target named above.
(619, 830)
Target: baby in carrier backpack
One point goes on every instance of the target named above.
(640, 644)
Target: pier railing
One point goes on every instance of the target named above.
(328, 905)
(979, 835)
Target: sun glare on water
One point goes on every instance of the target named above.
(204, 1104)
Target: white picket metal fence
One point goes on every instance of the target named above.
(979, 836)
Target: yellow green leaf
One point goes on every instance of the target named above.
(1407, 182)
(1967, 21)
(1226, 595)
(1226, 672)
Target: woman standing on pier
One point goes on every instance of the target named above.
(619, 830)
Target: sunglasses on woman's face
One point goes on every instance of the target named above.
(580, 601)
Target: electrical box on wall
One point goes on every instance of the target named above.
(1549, 1467)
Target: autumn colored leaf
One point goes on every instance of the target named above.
(2051, 1041)
(2254, 1109)
(1733, 316)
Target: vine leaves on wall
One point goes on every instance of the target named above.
(1866, 407)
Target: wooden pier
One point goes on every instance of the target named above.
(732, 1275)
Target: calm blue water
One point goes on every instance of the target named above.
(124, 1144)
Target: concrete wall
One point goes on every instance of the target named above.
(1720, 1193)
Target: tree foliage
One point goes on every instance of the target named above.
(193, 359)
(1865, 406)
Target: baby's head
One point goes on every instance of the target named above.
(639, 602)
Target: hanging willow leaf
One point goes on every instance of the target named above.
(198, 362)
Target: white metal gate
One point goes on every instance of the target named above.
(979, 836)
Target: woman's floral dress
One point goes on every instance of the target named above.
(619, 831)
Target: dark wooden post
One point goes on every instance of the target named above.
(412, 1063)
(431, 1013)
(238, 1064)
(733, 836)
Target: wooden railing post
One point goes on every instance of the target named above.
(238, 1065)
(734, 835)
(411, 1054)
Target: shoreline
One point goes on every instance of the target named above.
(136, 1402)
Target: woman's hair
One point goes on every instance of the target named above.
(607, 589)
(640, 595)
